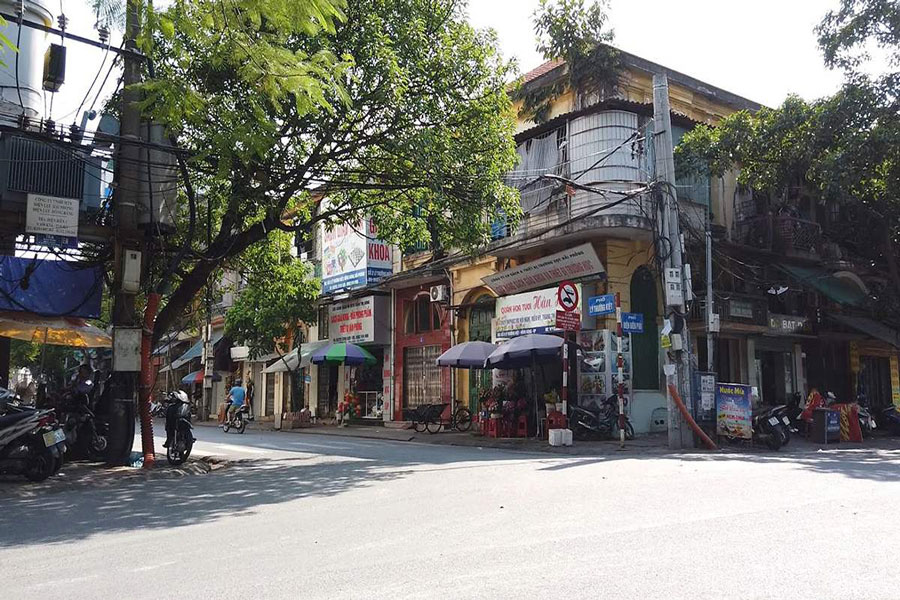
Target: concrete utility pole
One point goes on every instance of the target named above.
(680, 436)
(710, 302)
(127, 237)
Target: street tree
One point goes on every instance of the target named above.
(840, 154)
(392, 109)
(575, 32)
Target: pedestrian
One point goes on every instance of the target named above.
(251, 390)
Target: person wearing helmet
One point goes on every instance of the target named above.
(236, 397)
(175, 399)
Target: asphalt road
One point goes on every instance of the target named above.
(311, 516)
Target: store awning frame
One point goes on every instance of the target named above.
(838, 289)
(196, 350)
(298, 358)
(870, 327)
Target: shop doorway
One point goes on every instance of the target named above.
(327, 390)
(421, 376)
(874, 381)
(776, 373)
(479, 331)
(270, 394)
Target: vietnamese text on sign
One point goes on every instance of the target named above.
(580, 261)
(601, 305)
(51, 216)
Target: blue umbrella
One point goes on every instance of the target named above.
(467, 355)
(523, 351)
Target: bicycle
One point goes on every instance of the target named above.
(460, 419)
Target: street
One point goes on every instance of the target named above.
(312, 516)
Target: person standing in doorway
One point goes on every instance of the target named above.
(250, 394)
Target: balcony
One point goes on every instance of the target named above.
(781, 234)
(736, 311)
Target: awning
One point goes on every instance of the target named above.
(870, 327)
(838, 289)
(196, 350)
(297, 358)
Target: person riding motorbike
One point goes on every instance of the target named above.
(236, 397)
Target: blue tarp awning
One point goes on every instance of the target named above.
(50, 288)
(196, 350)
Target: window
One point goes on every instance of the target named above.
(421, 315)
(323, 322)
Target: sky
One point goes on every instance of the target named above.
(761, 50)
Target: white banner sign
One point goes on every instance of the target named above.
(580, 261)
(531, 312)
(52, 216)
(360, 321)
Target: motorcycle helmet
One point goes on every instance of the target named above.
(179, 395)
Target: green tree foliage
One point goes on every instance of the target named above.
(29, 355)
(577, 33)
(278, 294)
(391, 108)
(847, 35)
(841, 152)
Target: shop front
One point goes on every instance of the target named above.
(422, 334)
(364, 321)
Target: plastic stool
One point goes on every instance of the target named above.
(522, 427)
(556, 420)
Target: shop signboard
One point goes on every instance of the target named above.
(531, 312)
(353, 257)
(788, 324)
(733, 411)
(568, 321)
(53, 221)
(360, 321)
(580, 261)
(632, 323)
(601, 305)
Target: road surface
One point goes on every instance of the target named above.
(312, 516)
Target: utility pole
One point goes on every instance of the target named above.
(680, 436)
(710, 303)
(127, 238)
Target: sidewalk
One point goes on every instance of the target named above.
(642, 445)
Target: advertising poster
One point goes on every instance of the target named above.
(352, 257)
(531, 312)
(733, 410)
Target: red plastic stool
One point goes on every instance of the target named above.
(556, 420)
(522, 427)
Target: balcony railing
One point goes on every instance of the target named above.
(780, 233)
(733, 308)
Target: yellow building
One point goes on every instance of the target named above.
(605, 144)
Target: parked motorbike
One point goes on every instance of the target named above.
(889, 419)
(157, 408)
(32, 443)
(179, 431)
(769, 429)
(238, 422)
(588, 422)
(87, 435)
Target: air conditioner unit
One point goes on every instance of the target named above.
(440, 293)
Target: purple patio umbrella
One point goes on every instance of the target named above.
(523, 351)
(467, 355)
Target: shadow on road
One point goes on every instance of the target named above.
(322, 469)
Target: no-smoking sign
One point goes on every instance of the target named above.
(567, 296)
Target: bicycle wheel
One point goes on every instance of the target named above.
(463, 419)
(419, 426)
(433, 425)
